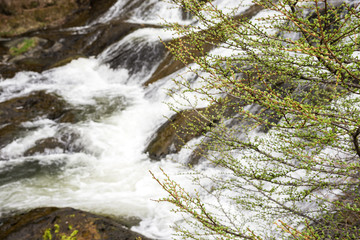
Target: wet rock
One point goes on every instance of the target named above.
(9, 132)
(103, 108)
(56, 44)
(25, 108)
(61, 223)
(63, 144)
(180, 129)
(139, 59)
(15, 111)
(48, 105)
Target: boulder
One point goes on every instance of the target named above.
(15, 111)
(65, 143)
(21, 109)
(64, 223)
(179, 130)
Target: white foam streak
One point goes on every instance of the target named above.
(115, 11)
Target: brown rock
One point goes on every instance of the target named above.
(18, 110)
(180, 129)
(63, 223)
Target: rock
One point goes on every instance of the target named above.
(65, 144)
(63, 223)
(45, 44)
(20, 16)
(55, 44)
(29, 168)
(180, 129)
(139, 59)
(43, 144)
(15, 111)
(26, 108)
(48, 105)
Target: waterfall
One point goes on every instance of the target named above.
(104, 168)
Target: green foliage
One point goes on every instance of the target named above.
(292, 73)
(47, 234)
(23, 47)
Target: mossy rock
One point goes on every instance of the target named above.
(64, 223)
(20, 16)
(23, 45)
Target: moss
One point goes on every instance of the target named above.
(47, 234)
(57, 228)
(71, 237)
(23, 46)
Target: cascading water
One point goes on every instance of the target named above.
(104, 168)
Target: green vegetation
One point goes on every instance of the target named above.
(23, 47)
(48, 233)
(292, 73)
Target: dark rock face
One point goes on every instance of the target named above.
(25, 108)
(63, 223)
(33, 38)
(180, 129)
(141, 59)
(42, 105)
(18, 110)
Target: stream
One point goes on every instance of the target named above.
(103, 168)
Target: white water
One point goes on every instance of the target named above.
(111, 176)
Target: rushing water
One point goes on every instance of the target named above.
(110, 175)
